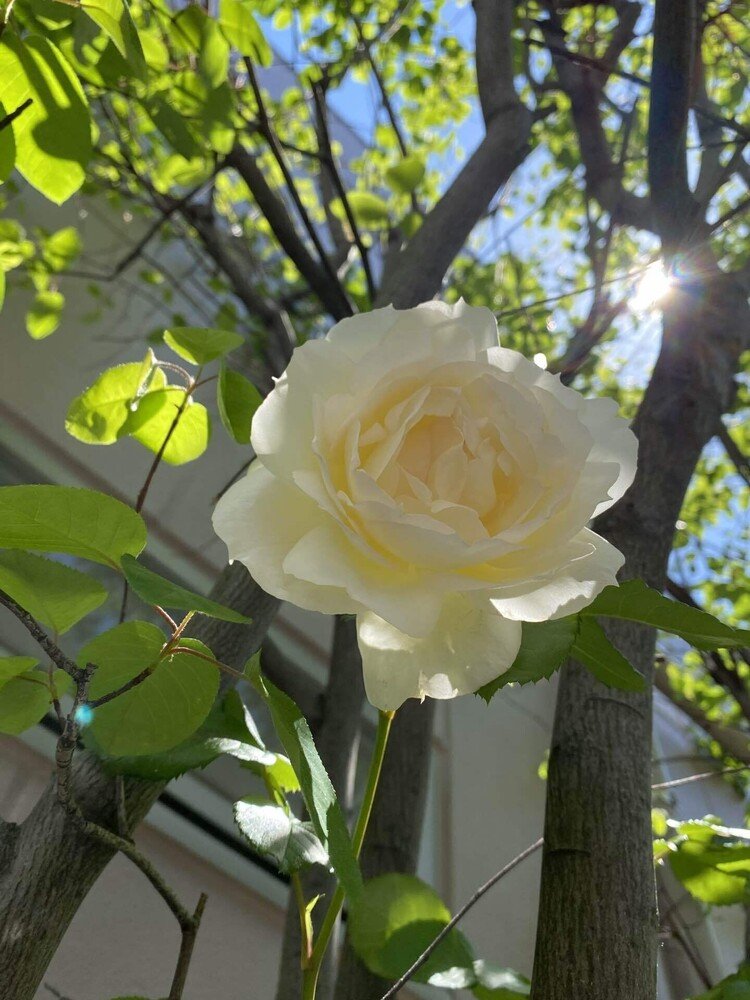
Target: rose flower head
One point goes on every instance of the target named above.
(411, 472)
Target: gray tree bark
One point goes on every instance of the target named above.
(48, 864)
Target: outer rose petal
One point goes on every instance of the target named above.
(614, 443)
(282, 431)
(325, 557)
(446, 325)
(469, 646)
(573, 587)
(260, 519)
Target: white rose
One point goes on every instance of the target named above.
(413, 473)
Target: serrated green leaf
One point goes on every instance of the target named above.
(65, 519)
(53, 135)
(43, 318)
(99, 414)
(153, 421)
(272, 831)
(593, 649)
(393, 920)
(634, 601)
(317, 790)
(237, 400)
(155, 589)
(56, 595)
(200, 345)
(163, 710)
(113, 17)
(544, 648)
(407, 175)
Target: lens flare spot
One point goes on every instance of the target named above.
(84, 715)
(650, 289)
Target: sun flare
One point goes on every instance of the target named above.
(653, 285)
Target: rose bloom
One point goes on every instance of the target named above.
(437, 486)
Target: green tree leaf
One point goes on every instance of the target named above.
(241, 30)
(220, 733)
(152, 421)
(317, 790)
(100, 413)
(155, 589)
(237, 399)
(174, 128)
(113, 17)
(56, 595)
(634, 601)
(12, 666)
(53, 135)
(198, 345)
(394, 919)
(272, 831)
(43, 318)
(163, 710)
(407, 175)
(61, 248)
(7, 148)
(544, 648)
(26, 698)
(78, 522)
(593, 649)
(368, 209)
(695, 864)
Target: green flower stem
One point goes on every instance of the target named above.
(311, 973)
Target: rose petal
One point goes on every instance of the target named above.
(325, 557)
(260, 519)
(469, 646)
(573, 587)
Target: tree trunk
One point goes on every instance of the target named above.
(48, 864)
(596, 937)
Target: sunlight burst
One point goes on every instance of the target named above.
(652, 287)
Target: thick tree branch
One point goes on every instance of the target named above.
(671, 93)
(339, 300)
(418, 270)
(584, 87)
(322, 282)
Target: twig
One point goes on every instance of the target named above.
(330, 163)
(34, 628)
(127, 686)
(160, 453)
(186, 950)
(8, 120)
(266, 129)
(699, 777)
(641, 81)
(458, 915)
